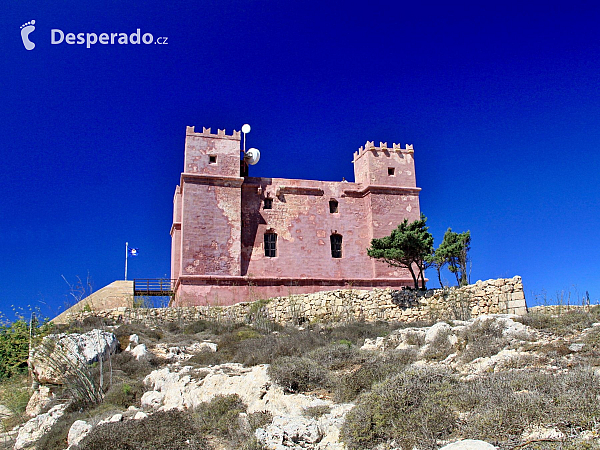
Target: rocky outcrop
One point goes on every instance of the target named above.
(58, 354)
(184, 387)
(37, 427)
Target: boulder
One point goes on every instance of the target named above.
(61, 353)
(78, 431)
(37, 427)
(40, 398)
(140, 352)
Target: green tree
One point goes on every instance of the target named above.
(15, 341)
(454, 251)
(409, 246)
(437, 261)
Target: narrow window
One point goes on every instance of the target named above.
(268, 204)
(271, 245)
(333, 206)
(336, 245)
(391, 171)
(212, 159)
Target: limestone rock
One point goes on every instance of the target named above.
(37, 427)
(40, 398)
(540, 433)
(5, 412)
(179, 387)
(59, 353)
(469, 444)
(78, 431)
(140, 415)
(140, 352)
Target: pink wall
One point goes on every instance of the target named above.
(220, 221)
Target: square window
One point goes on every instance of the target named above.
(333, 206)
(212, 159)
(268, 203)
(391, 171)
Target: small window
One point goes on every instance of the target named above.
(391, 171)
(268, 204)
(336, 245)
(333, 206)
(271, 245)
(212, 159)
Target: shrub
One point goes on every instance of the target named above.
(259, 419)
(134, 368)
(296, 374)
(265, 349)
(440, 347)
(14, 345)
(314, 412)
(503, 405)
(168, 430)
(220, 417)
(410, 408)
(482, 339)
(356, 332)
(563, 323)
(372, 369)
(335, 356)
(14, 394)
(124, 394)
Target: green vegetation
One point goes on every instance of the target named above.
(410, 246)
(453, 251)
(398, 404)
(15, 340)
(407, 246)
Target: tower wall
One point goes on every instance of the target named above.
(220, 221)
(210, 208)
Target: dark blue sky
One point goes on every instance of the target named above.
(500, 100)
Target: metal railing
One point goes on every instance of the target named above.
(153, 286)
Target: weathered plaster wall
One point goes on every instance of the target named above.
(303, 222)
(199, 147)
(483, 297)
(211, 228)
(219, 223)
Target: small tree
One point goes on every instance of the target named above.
(437, 261)
(409, 246)
(454, 251)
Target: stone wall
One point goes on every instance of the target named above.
(483, 297)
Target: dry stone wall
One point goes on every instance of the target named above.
(484, 297)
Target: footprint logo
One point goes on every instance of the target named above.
(26, 30)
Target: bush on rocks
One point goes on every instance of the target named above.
(168, 430)
(296, 374)
(410, 408)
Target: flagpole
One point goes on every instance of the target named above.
(126, 253)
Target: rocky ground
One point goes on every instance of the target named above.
(497, 381)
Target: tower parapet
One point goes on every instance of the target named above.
(384, 166)
(212, 154)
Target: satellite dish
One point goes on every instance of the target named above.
(245, 128)
(252, 156)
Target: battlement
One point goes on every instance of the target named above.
(383, 146)
(236, 135)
